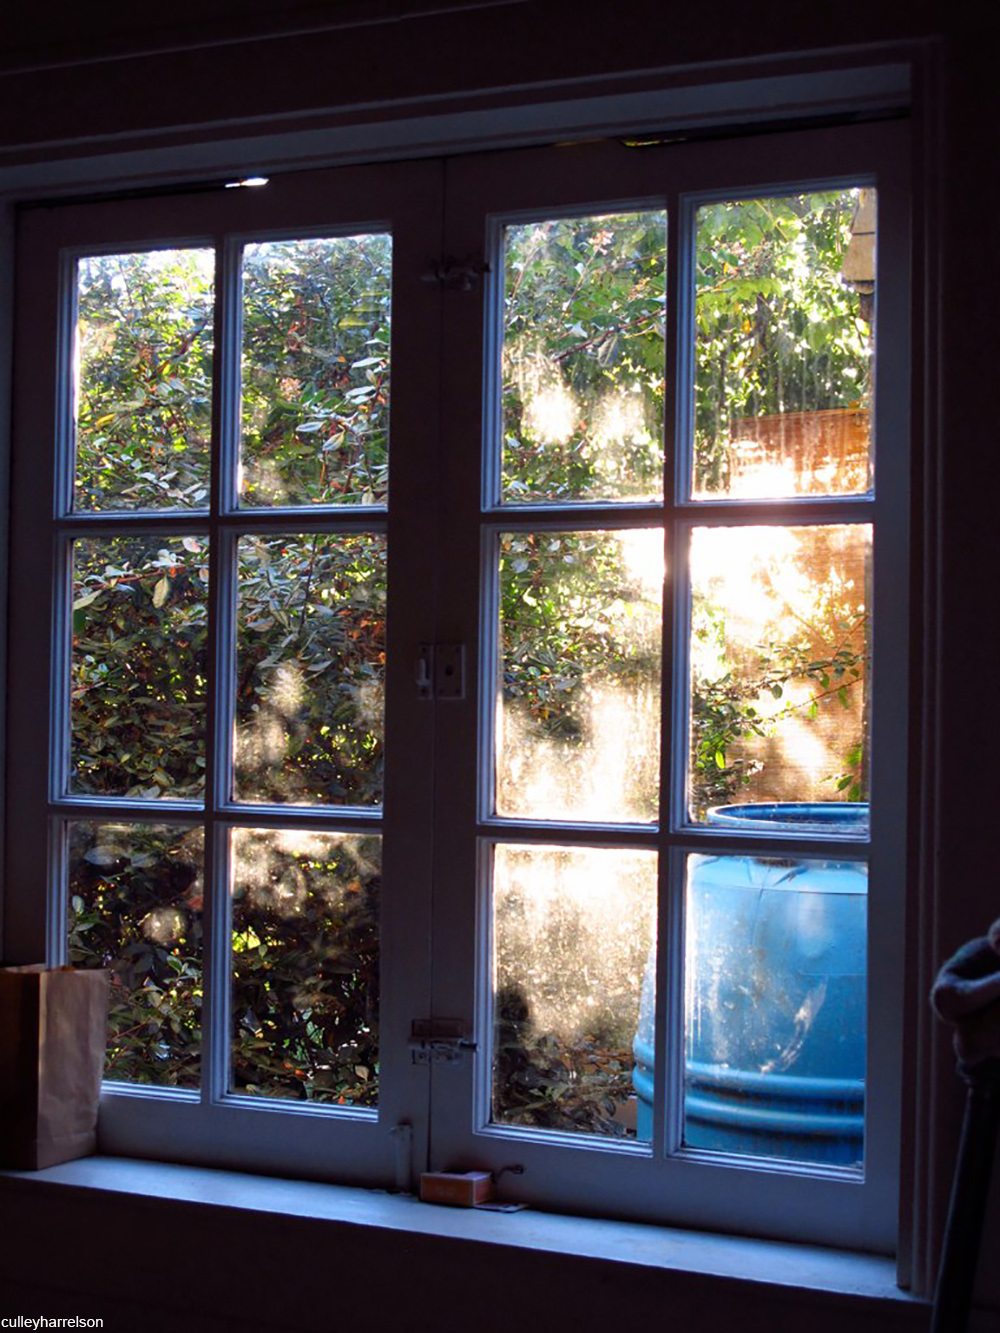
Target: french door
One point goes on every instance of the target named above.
(477, 698)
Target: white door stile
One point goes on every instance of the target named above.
(693, 1188)
(218, 1128)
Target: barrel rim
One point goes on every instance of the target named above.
(822, 817)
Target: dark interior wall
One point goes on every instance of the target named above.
(80, 79)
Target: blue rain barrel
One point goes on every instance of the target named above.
(775, 995)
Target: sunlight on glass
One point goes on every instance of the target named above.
(780, 646)
(138, 666)
(305, 965)
(572, 930)
(583, 357)
(775, 972)
(316, 371)
(783, 377)
(135, 908)
(143, 380)
(311, 665)
(578, 705)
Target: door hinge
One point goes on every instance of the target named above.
(439, 1039)
(461, 275)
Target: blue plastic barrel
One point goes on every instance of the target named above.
(775, 969)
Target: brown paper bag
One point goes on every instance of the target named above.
(53, 1026)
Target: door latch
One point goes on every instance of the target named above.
(441, 1040)
(440, 671)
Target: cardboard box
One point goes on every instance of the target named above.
(460, 1189)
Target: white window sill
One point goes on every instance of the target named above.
(820, 1272)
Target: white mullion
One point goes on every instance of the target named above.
(57, 904)
(61, 669)
(668, 1032)
(219, 702)
(216, 958)
(61, 623)
(489, 660)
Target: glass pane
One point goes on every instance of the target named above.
(583, 358)
(137, 675)
(775, 1007)
(143, 409)
(780, 647)
(135, 905)
(316, 371)
(784, 358)
(573, 930)
(305, 961)
(311, 669)
(578, 703)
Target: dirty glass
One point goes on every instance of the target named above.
(583, 358)
(578, 705)
(573, 930)
(775, 984)
(783, 345)
(305, 966)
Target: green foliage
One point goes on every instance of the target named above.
(776, 328)
(310, 653)
(583, 336)
(310, 668)
(139, 666)
(316, 371)
(135, 908)
(777, 331)
(305, 967)
(144, 392)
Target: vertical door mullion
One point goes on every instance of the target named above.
(219, 699)
(669, 1030)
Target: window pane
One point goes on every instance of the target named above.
(135, 904)
(137, 677)
(583, 358)
(143, 410)
(780, 646)
(775, 1007)
(305, 962)
(578, 709)
(311, 669)
(784, 303)
(572, 933)
(316, 371)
